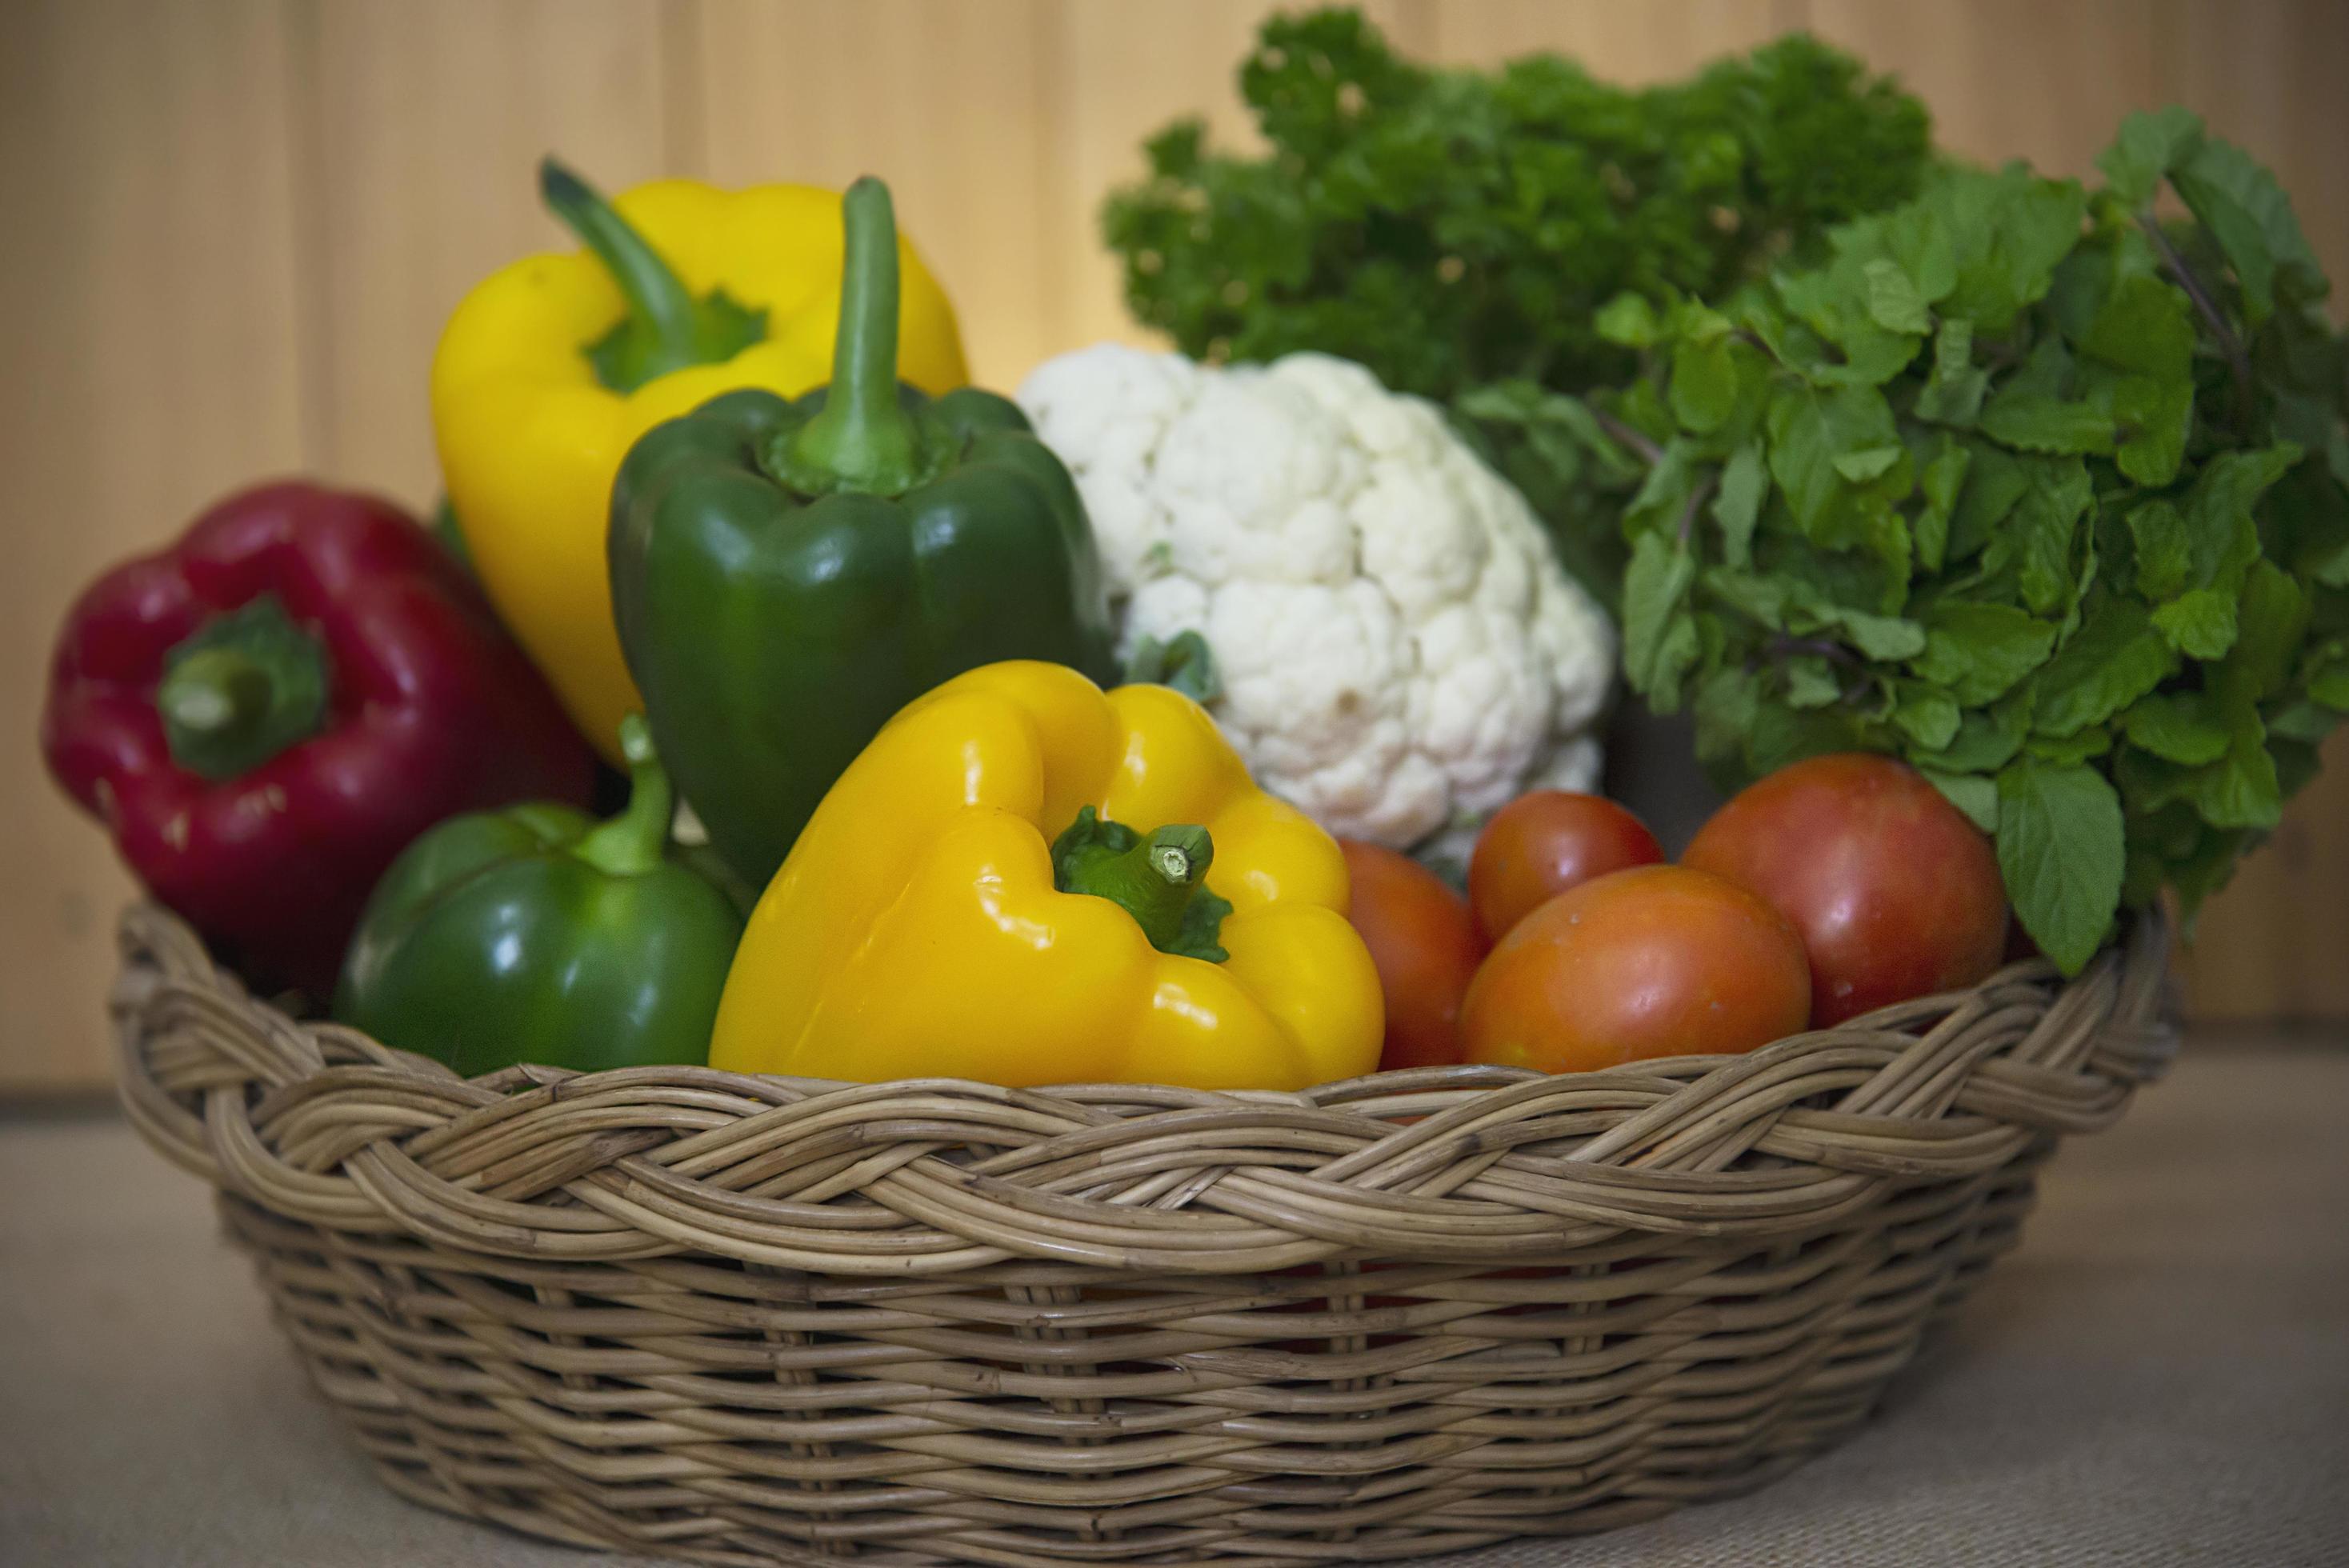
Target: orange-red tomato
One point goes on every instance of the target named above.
(1426, 946)
(1896, 894)
(1657, 961)
(1540, 845)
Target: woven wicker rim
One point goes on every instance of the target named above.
(921, 1178)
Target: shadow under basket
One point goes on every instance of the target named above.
(749, 1320)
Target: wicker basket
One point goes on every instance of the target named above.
(747, 1320)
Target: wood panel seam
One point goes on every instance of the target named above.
(314, 330)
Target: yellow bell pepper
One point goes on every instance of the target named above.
(552, 368)
(919, 927)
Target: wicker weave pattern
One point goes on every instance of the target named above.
(756, 1320)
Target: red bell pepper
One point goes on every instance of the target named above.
(266, 713)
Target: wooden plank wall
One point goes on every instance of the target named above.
(235, 226)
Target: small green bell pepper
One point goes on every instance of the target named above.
(537, 934)
(787, 574)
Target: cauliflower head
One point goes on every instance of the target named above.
(1399, 653)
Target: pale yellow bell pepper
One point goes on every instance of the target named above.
(553, 366)
(916, 930)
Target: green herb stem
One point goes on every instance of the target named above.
(1623, 435)
(2238, 361)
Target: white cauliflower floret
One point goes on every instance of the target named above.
(1399, 650)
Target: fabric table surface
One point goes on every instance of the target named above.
(2159, 1374)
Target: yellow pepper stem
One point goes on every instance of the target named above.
(1160, 880)
(667, 328)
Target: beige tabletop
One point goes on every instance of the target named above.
(2159, 1375)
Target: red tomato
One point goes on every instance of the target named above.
(1657, 961)
(1540, 845)
(1426, 946)
(1896, 894)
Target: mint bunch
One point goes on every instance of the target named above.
(2041, 490)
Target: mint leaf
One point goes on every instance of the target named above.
(2115, 658)
(1744, 481)
(1660, 641)
(1663, 495)
(2147, 146)
(2144, 331)
(1981, 651)
(2203, 871)
(1705, 382)
(2068, 750)
(1783, 735)
(1726, 702)
(2326, 561)
(2181, 726)
(2221, 540)
(2231, 483)
(1871, 463)
(1629, 319)
(2273, 617)
(1952, 394)
(1811, 682)
(2010, 230)
(1943, 480)
(1928, 715)
(2036, 422)
(2311, 724)
(1563, 427)
(1995, 482)
(2200, 623)
(1811, 426)
(2146, 325)
(1986, 740)
(1878, 636)
(2241, 789)
(2153, 419)
(1972, 793)
(1893, 302)
(2251, 217)
(2165, 555)
(2060, 850)
(1917, 236)
(1833, 303)
(1762, 600)
(1700, 323)
(2043, 526)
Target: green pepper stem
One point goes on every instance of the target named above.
(635, 843)
(246, 685)
(861, 440)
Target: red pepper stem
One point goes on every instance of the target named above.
(861, 439)
(245, 686)
(658, 298)
(218, 693)
(635, 843)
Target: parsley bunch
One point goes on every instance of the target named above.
(2042, 491)
(1452, 229)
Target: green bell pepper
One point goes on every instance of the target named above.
(537, 934)
(787, 574)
